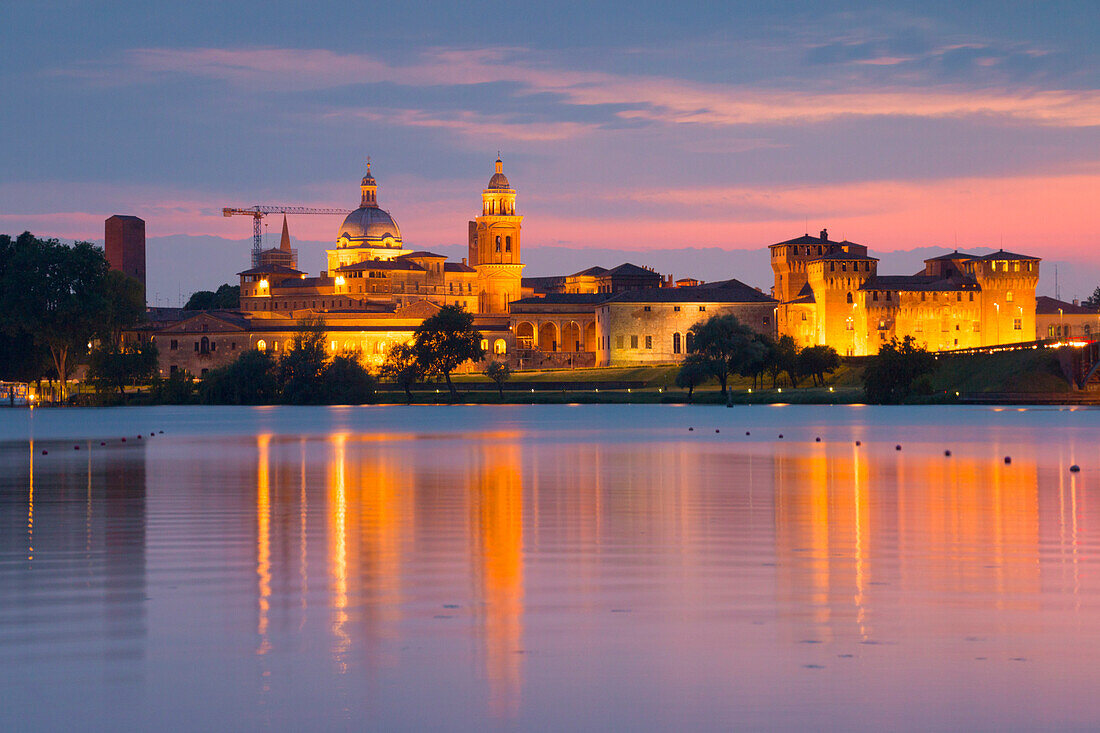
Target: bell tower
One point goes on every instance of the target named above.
(495, 245)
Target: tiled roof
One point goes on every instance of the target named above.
(395, 264)
(594, 271)
(914, 283)
(1045, 305)
(1002, 255)
(565, 299)
(457, 267)
(723, 291)
(956, 255)
(632, 270)
(305, 282)
(423, 254)
(271, 270)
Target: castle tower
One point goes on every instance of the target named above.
(1007, 281)
(495, 245)
(840, 311)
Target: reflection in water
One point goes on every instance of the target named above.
(483, 579)
(496, 528)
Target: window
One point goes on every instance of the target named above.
(173, 369)
(849, 325)
(923, 296)
(633, 341)
(174, 345)
(850, 298)
(507, 244)
(647, 309)
(676, 309)
(1017, 324)
(675, 343)
(1008, 296)
(619, 341)
(261, 345)
(689, 341)
(498, 243)
(888, 295)
(196, 346)
(977, 326)
(919, 328)
(882, 325)
(1050, 330)
(649, 342)
(971, 297)
(803, 315)
(958, 297)
(702, 309)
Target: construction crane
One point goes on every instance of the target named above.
(259, 212)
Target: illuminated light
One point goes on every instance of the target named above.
(780, 390)
(750, 390)
(263, 283)
(830, 389)
(339, 279)
(332, 345)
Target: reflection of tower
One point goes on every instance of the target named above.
(495, 245)
(497, 530)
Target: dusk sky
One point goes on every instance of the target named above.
(623, 125)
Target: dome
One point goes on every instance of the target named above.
(370, 224)
(499, 181)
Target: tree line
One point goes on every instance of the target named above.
(722, 346)
(57, 302)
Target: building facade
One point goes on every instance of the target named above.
(831, 293)
(1057, 319)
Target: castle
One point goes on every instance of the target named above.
(831, 293)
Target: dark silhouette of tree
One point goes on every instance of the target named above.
(817, 361)
(694, 371)
(344, 381)
(250, 380)
(112, 365)
(402, 368)
(446, 340)
(301, 366)
(1093, 301)
(499, 372)
(893, 375)
(227, 297)
(721, 339)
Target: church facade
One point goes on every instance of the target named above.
(831, 293)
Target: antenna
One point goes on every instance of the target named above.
(1057, 289)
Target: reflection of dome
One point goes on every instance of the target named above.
(499, 180)
(372, 224)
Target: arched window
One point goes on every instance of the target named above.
(850, 298)
(507, 244)
(675, 343)
(1008, 296)
(498, 243)
(690, 340)
(261, 345)
(204, 345)
(500, 347)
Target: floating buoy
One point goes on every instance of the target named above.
(45, 452)
(859, 443)
(139, 437)
(781, 436)
(746, 432)
(1072, 469)
(76, 447)
(897, 447)
(817, 440)
(1008, 459)
(717, 430)
(690, 429)
(947, 453)
(124, 440)
(102, 443)
(152, 435)
(161, 432)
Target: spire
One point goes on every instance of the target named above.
(284, 241)
(500, 163)
(369, 187)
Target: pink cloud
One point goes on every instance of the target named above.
(471, 124)
(653, 98)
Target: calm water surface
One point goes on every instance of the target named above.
(549, 567)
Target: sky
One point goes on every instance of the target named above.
(637, 126)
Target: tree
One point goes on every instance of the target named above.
(57, 293)
(114, 366)
(344, 381)
(721, 339)
(786, 354)
(694, 371)
(227, 297)
(177, 389)
(499, 372)
(250, 380)
(402, 367)
(753, 359)
(817, 361)
(125, 306)
(301, 366)
(447, 339)
(892, 375)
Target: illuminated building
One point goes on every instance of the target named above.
(831, 293)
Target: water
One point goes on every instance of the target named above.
(549, 567)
